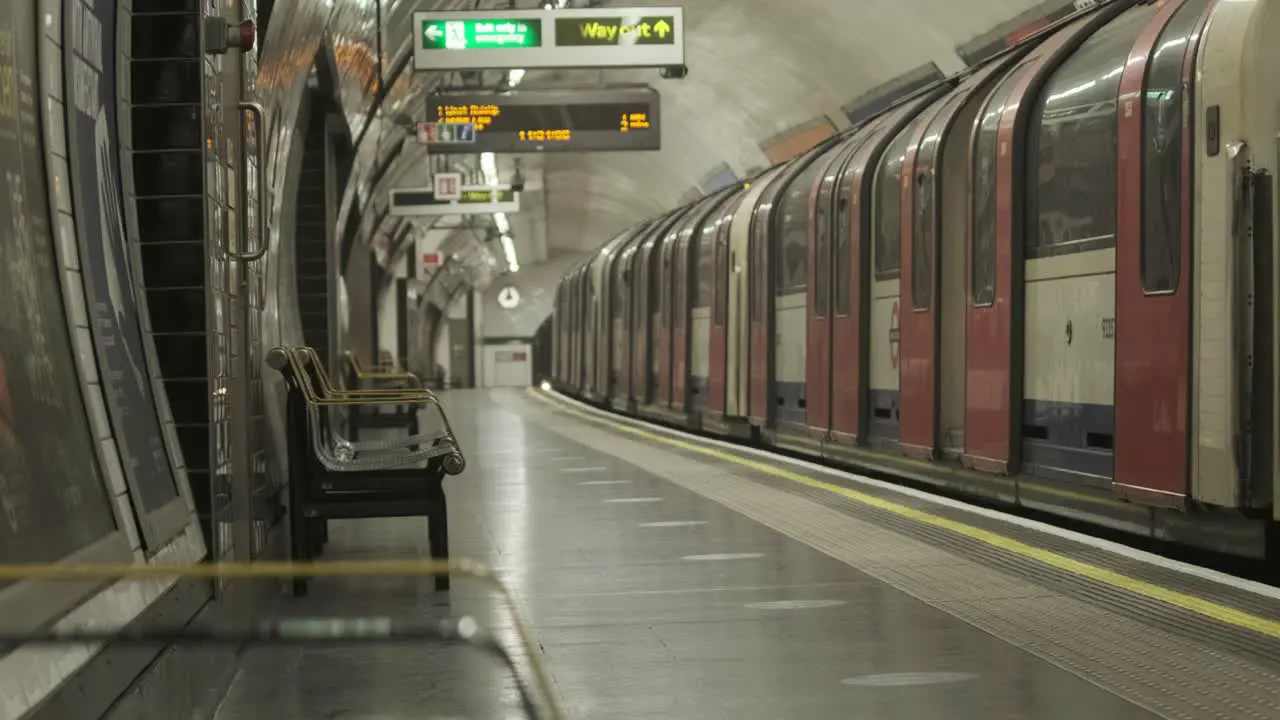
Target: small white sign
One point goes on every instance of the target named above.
(448, 186)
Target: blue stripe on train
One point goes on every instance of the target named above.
(1066, 441)
(1069, 441)
(790, 402)
(883, 423)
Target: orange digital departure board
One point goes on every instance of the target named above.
(551, 120)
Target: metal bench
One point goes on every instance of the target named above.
(331, 476)
(386, 375)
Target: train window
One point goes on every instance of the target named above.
(828, 167)
(759, 258)
(721, 310)
(792, 220)
(844, 242)
(1162, 153)
(669, 269)
(924, 225)
(1071, 151)
(654, 270)
(888, 207)
(982, 264)
(619, 284)
(706, 262)
(680, 278)
(822, 256)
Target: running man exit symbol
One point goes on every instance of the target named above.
(455, 35)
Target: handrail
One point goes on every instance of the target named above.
(64, 572)
(380, 371)
(339, 453)
(259, 114)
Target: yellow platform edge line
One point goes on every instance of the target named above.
(1184, 601)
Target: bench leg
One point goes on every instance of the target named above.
(319, 532)
(438, 532)
(303, 547)
(299, 550)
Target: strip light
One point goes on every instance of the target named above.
(509, 251)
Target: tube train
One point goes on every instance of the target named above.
(1047, 281)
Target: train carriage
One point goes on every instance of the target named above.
(1047, 280)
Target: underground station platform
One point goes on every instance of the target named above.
(663, 575)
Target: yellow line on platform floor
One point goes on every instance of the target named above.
(1184, 601)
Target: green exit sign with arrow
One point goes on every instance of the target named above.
(479, 34)
(591, 38)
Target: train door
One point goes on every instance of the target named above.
(571, 302)
(662, 317)
(794, 238)
(597, 329)
(557, 322)
(988, 348)
(885, 290)
(590, 329)
(917, 341)
(567, 361)
(998, 334)
(656, 304)
(737, 369)
(604, 326)
(717, 342)
(627, 348)
(640, 320)
(646, 299)
(583, 299)
(931, 344)
(701, 301)
(760, 312)
(623, 337)
(951, 251)
(617, 326)
(680, 279)
(633, 319)
(822, 249)
(607, 333)
(849, 320)
(1153, 251)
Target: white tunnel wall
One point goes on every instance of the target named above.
(537, 288)
(388, 311)
(759, 70)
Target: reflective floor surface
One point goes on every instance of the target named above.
(648, 601)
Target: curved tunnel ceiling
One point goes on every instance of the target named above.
(758, 71)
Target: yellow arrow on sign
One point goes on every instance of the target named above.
(662, 28)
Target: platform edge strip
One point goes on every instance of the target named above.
(1190, 603)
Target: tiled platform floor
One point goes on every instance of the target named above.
(649, 601)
